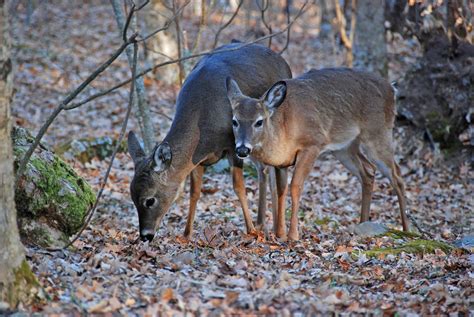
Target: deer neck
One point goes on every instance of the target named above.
(183, 145)
(274, 147)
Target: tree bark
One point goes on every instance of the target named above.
(370, 51)
(162, 46)
(12, 257)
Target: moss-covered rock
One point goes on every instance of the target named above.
(51, 199)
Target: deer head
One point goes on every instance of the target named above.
(251, 117)
(151, 191)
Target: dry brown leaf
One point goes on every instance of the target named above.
(167, 295)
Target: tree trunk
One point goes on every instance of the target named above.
(370, 51)
(141, 104)
(163, 45)
(14, 270)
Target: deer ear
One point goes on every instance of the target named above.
(134, 148)
(162, 157)
(275, 96)
(233, 90)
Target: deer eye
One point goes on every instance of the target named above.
(235, 124)
(259, 123)
(150, 202)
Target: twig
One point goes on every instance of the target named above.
(287, 43)
(140, 103)
(423, 232)
(202, 23)
(341, 22)
(66, 101)
(211, 52)
(216, 38)
(64, 104)
(161, 113)
(178, 42)
(91, 211)
(353, 20)
(167, 24)
(129, 17)
(263, 7)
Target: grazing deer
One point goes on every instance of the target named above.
(346, 112)
(201, 134)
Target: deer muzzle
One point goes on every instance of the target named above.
(243, 151)
(147, 235)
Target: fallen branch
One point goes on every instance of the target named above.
(424, 233)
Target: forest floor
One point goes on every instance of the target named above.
(222, 270)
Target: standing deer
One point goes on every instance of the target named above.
(346, 112)
(201, 134)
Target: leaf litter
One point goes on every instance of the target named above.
(222, 270)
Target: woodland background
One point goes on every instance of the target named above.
(426, 46)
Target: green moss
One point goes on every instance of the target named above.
(418, 246)
(398, 234)
(53, 181)
(41, 237)
(60, 189)
(250, 171)
(24, 286)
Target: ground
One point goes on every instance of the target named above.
(222, 270)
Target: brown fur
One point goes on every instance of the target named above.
(346, 112)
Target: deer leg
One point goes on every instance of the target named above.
(399, 186)
(282, 189)
(239, 188)
(383, 157)
(304, 164)
(367, 172)
(195, 193)
(274, 193)
(262, 193)
(358, 165)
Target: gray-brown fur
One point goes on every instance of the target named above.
(201, 132)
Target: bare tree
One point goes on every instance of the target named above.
(141, 103)
(15, 275)
(370, 50)
(347, 40)
(161, 47)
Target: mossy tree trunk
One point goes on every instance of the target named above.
(15, 276)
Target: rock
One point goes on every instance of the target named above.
(466, 242)
(370, 229)
(220, 167)
(86, 149)
(51, 199)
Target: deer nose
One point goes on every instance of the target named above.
(147, 235)
(242, 151)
